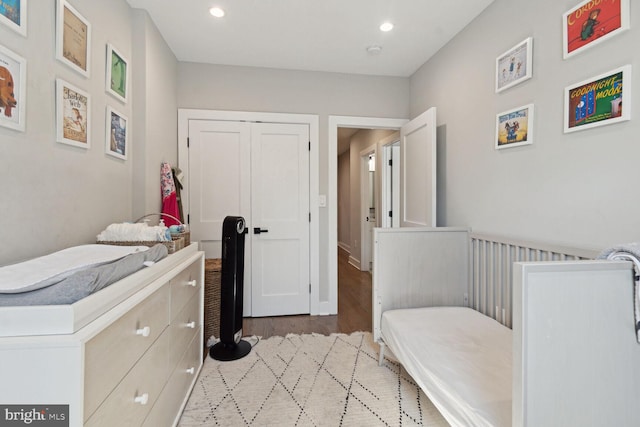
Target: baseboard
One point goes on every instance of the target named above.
(354, 262)
(344, 247)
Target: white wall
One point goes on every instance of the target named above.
(56, 195)
(233, 88)
(344, 201)
(578, 188)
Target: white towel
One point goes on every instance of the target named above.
(628, 252)
(138, 232)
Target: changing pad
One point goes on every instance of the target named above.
(50, 269)
(461, 358)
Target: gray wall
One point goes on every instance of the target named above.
(217, 87)
(578, 188)
(55, 195)
(344, 202)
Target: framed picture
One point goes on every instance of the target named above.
(73, 115)
(117, 74)
(13, 83)
(598, 101)
(13, 14)
(514, 127)
(117, 136)
(515, 65)
(73, 38)
(592, 22)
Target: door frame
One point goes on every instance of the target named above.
(331, 305)
(390, 188)
(366, 255)
(187, 114)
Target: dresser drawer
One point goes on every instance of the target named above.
(167, 406)
(185, 285)
(133, 398)
(111, 354)
(183, 327)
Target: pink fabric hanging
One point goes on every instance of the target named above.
(169, 198)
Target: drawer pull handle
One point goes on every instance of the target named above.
(145, 332)
(191, 371)
(142, 399)
(191, 325)
(192, 283)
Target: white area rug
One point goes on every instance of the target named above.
(309, 380)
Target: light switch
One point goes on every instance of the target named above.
(322, 201)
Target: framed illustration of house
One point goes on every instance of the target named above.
(598, 101)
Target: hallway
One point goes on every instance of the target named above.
(354, 309)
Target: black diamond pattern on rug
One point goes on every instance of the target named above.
(309, 380)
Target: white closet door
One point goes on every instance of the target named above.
(418, 169)
(280, 219)
(219, 185)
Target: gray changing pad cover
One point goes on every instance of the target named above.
(85, 282)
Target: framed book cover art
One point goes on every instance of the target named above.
(117, 136)
(515, 65)
(514, 127)
(13, 14)
(73, 38)
(117, 80)
(592, 22)
(73, 115)
(598, 101)
(13, 83)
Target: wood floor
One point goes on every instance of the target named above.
(354, 309)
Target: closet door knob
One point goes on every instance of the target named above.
(145, 332)
(191, 325)
(192, 283)
(142, 399)
(191, 371)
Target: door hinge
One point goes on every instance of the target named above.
(390, 162)
(309, 216)
(309, 287)
(309, 145)
(390, 214)
(187, 142)
(188, 218)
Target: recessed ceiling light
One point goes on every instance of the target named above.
(217, 12)
(374, 49)
(387, 26)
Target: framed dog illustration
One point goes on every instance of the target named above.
(13, 98)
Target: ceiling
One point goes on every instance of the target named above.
(313, 35)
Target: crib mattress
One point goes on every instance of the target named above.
(461, 358)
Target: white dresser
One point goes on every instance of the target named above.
(133, 364)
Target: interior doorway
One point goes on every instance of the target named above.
(336, 122)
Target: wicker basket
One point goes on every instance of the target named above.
(212, 270)
(172, 246)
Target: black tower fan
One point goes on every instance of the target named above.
(231, 345)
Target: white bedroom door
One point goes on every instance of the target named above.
(261, 172)
(280, 216)
(418, 171)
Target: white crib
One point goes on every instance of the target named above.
(574, 357)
